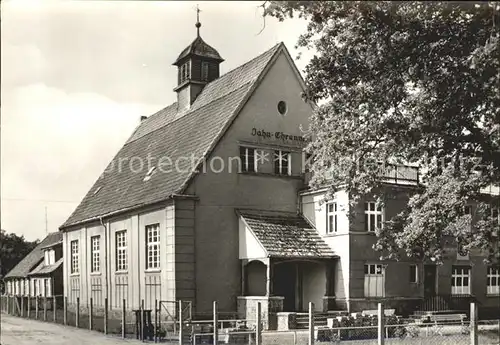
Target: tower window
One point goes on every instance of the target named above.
(186, 71)
(204, 71)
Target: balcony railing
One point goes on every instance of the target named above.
(400, 174)
(395, 174)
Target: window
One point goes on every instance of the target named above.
(493, 281)
(282, 108)
(50, 257)
(74, 257)
(374, 280)
(282, 163)
(373, 216)
(495, 214)
(95, 254)
(185, 71)
(204, 71)
(121, 250)
(307, 162)
(153, 246)
(46, 287)
(247, 156)
(460, 282)
(413, 274)
(331, 217)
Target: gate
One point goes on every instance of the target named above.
(174, 320)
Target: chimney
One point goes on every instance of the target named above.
(143, 118)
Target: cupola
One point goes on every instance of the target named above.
(197, 65)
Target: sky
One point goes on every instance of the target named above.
(77, 76)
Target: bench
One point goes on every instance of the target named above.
(440, 320)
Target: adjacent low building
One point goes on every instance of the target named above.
(40, 272)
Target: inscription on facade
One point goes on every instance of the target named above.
(262, 133)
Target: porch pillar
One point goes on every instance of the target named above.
(329, 276)
(243, 277)
(269, 278)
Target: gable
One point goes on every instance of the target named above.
(177, 139)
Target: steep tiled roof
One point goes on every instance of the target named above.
(284, 234)
(29, 262)
(200, 48)
(168, 135)
(42, 269)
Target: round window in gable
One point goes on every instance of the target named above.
(282, 107)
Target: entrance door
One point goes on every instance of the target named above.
(284, 278)
(430, 280)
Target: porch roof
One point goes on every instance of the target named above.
(285, 234)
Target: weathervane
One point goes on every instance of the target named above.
(198, 24)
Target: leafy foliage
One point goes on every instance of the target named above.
(13, 249)
(407, 82)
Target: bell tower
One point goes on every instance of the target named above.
(197, 65)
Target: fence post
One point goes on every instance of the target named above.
(36, 307)
(473, 324)
(29, 306)
(65, 310)
(258, 325)
(181, 333)
(106, 315)
(311, 324)
(54, 308)
(22, 306)
(8, 304)
(44, 308)
(91, 311)
(77, 313)
(216, 325)
(156, 320)
(381, 319)
(123, 318)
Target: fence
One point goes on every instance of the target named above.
(181, 326)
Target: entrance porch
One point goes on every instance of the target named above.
(285, 264)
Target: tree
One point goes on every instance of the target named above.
(13, 249)
(407, 82)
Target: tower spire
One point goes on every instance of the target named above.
(198, 24)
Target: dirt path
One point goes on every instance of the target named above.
(17, 331)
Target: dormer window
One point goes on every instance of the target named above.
(149, 174)
(50, 257)
(186, 71)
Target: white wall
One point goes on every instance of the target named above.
(130, 285)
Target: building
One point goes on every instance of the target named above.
(207, 201)
(40, 272)
(362, 279)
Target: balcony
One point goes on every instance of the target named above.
(394, 174)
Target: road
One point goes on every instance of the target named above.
(17, 331)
